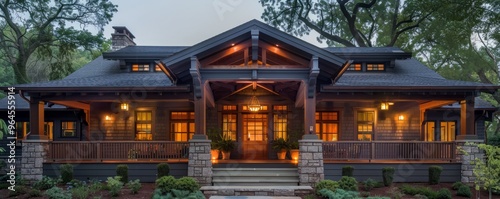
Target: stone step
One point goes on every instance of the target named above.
(264, 192)
(252, 197)
(255, 176)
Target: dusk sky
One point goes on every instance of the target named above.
(183, 23)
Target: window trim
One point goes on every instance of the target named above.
(320, 121)
(63, 130)
(189, 120)
(140, 66)
(374, 125)
(151, 122)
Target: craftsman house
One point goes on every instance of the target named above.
(140, 105)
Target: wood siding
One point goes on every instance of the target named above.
(146, 172)
(405, 172)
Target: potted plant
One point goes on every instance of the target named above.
(215, 137)
(226, 145)
(293, 141)
(281, 146)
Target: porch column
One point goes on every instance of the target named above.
(466, 152)
(467, 124)
(310, 165)
(199, 163)
(35, 147)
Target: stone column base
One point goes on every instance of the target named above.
(471, 153)
(33, 156)
(199, 164)
(310, 165)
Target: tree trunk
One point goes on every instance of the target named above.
(20, 71)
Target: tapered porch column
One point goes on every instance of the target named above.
(467, 124)
(310, 165)
(35, 147)
(199, 163)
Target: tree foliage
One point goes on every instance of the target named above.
(46, 29)
(487, 171)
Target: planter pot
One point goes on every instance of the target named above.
(281, 154)
(215, 154)
(294, 153)
(226, 155)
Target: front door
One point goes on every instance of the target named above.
(255, 136)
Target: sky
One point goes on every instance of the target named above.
(184, 22)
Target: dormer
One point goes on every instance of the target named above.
(370, 59)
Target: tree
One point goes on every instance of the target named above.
(487, 171)
(45, 28)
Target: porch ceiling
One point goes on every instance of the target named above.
(224, 89)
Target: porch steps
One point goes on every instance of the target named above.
(255, 177)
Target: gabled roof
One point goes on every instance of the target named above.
(178, 61)
(479, 104)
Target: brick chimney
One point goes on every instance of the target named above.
(121, 38)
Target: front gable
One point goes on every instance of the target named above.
(253, 45)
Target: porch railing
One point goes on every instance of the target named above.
(389, 150)
(98, 151)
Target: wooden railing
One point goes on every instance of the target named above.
(389, 150)
(98, 151)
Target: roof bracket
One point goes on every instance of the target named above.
(255, 46)
(313, 74)
(170, 74)
(195, 73)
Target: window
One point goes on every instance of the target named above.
(68, 129)
(365, 122)
(157, 68)
(448, 131)
(229, 125)
(430, 129)
(23, 128)
(182, 126)
(327, 125)
(280, 120)
(262, 108)
(255, 127)
(229, 108)
(140, 67)
(143, 124)
(355, 67)
(375, 67)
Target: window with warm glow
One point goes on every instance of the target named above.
(375, 67)
(448, 131)
(68, 129)
(182, 126)
(229, 107)
(365, 121)
(255, 127)
(229, 125)
(355, 67)
(327, 125)
(430, 129)
(143, 125)
(140, 67)
(157, 68)
(23, 128)
(280, 120)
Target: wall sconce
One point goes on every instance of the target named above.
(107, 118)
(401, 117)
(384, 106)
(124, 106)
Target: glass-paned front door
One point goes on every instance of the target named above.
(255, 136)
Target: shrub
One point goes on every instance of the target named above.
(57, 193)
(338, 194)
(348, 183)
(45, 183)
(134, 186)
(434, 174)
(425, 191)
(115, 185)
(364, 194)
(77, 183)
(80, 192)
(395, 193)
(66, 173)
(34, 193)
(122, 171)
(369, 184)
(326, 184)
(457, 185)
(464, 191)
(165, 184)
(388, 175)
(95, 186)
(443, 194)
(410, 190)
(347, 171)
(163, 169)
(186, 183)
(19, 190)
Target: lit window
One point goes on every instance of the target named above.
(157, 68)
(365, 122)
(23, 128)
(355, 67)
(182, 126)
(143, 124)
(68, 129)
(262, 108)
(327, 125)
(375, 67)
(140, 67)
(229, 122)
(280, 121)
(229, 107)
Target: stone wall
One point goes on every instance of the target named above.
(199, 164)
(34, 154)
(466, 153)
(310, 165)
